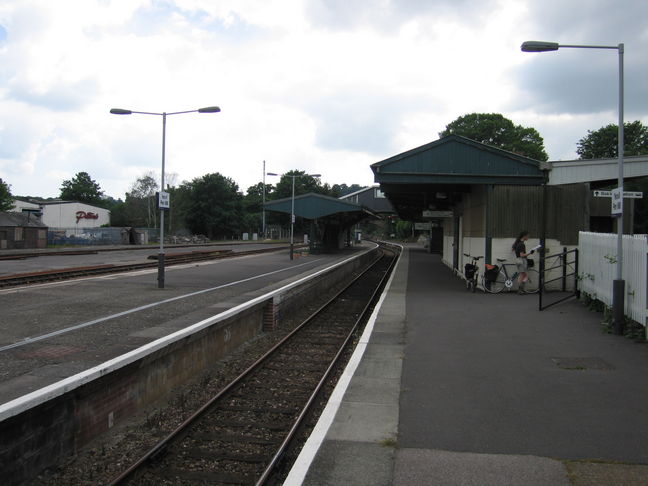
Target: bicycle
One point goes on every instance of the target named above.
(471, 272)
(504, 280)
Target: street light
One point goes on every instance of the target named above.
(292, 206)
(618, 288)
(120, 111)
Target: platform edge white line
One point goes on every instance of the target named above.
(312, 445)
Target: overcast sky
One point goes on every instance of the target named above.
(326, 86)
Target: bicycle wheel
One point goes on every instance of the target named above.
(497, 285)
(532, 285)
(473, 284)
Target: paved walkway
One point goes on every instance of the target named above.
(473, 389)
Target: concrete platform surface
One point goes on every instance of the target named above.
(52, 331)
(114, 255)
(488, 393)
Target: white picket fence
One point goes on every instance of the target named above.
(597, 270)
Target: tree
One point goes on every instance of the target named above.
(6, 199)
(604, 142)
(303, 184)
(210, 205)
(81, 188)
(140, 200)
(496, 130)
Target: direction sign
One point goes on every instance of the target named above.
(617, 201)
(164, 200)
(626, 194)
(437, 214)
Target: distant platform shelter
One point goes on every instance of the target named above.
(331, 219)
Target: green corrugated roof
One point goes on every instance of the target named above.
(314, 206)
(458, 160)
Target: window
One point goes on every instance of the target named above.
(378, 194)
(18, 234)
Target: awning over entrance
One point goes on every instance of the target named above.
(434, 175)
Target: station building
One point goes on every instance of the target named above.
(483, 197)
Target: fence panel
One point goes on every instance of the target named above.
(597, 270)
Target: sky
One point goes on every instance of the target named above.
(323, 86)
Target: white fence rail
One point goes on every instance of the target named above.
(597, 270)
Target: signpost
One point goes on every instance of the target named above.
(164, 200)
(617, 200)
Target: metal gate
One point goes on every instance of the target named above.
(558, 276)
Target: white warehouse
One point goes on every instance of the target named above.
(66, 214)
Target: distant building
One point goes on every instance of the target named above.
(21, 230)
(371, 198)
(65, 214)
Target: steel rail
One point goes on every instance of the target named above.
(278, 457)
(179, 432)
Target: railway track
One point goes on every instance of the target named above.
(76, 272)
(241, 436)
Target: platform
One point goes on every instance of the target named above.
(62, 258)
(54, 330)
(454, 388)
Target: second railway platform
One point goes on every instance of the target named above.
(55, 330)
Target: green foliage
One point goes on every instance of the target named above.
(140, 208)
(6, 199)
(603, 143)
(496, 130)
(210, 205)
(303, 185)
(81, 188)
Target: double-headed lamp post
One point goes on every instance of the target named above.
(119, 111)
(292, 206)
(618, 288)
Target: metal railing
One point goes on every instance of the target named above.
(561, 270)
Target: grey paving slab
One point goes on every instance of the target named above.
(343, 463)
(376, 390)
(389, 369)
(364, 422)
(442, 468)
(387, 337)
(388, 351)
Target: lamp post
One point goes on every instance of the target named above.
(119, 111)
(263, 225)
(618, 288)
(292, 207)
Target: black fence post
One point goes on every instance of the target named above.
(564, 269)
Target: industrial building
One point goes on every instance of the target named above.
(66, 214)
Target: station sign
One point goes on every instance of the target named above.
(428, 213)
(617, 201)
(626, 194)
(164, 200)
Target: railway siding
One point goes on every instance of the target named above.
(39, 429)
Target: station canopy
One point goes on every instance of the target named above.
(439, 172)
(317, 206)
